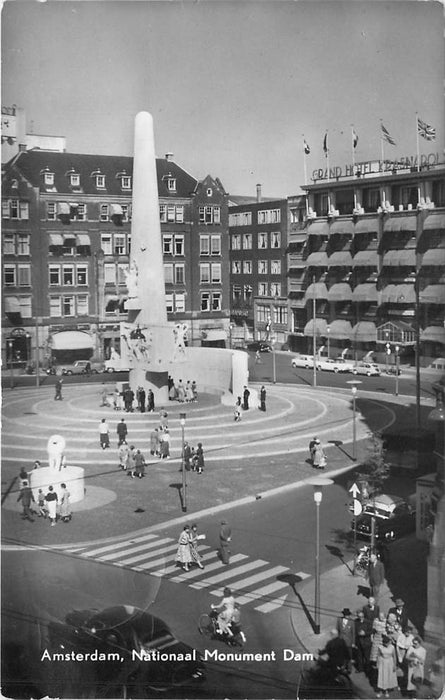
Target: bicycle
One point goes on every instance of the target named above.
(208, 627)
(362, 561)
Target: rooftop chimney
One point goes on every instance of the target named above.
(169, 156)
(258, 193)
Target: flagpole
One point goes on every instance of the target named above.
(383, 158)
(305, 173)
(418, 156)
(327, 164)
(353, 163)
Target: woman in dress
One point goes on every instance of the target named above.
(51, 505)
(194, 538)
(183, 554)
(104, 434)
(318, 456)
(181, 392)
(189, 392)
(199, 459)
(225, 610)
(415, 659)
(378, 630)
(165, 444)
(65, 505)
(124, 455)
(386, 667)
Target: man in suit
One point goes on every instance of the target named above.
(346, 630)
(371, 610)
(336, 651)
(400, 613)
(376, 575)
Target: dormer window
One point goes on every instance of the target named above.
(48, 177)
(75, 180)
(14, 184)
(209, 191)
(171, 184)
(126, 182)
(99, 178)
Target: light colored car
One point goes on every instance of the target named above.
(115, 365)
(329, 365)
(81, 367)
(370, 369)
(348, 365)
(306, 361)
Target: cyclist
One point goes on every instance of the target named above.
(225, 611)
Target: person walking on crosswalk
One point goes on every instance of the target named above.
(183, 553)
(225, 537)
(194, 539)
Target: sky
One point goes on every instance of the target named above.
(232, 86)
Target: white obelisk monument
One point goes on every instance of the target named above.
(147, 341)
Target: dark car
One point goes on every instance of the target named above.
(259, 345)
(393, 517)
(141, 651)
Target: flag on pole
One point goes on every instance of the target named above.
(325, 144)
(354, 138)
(386, 135)
(426, 131)
(307, 150)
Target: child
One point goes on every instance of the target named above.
(43, 512)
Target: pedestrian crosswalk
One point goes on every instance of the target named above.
(256, 582)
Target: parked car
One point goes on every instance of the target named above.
(393, 517)
(81, 367)
(370, 369)
(348, 365)
(306, 361)
(132, 635)
(259, 345)
(329, 365)
(115, 366)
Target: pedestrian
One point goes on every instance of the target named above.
(311, 448)
(37, 464)
(386, 667)
(189, 396)
(225, 537)
(376, 576)
(26, 496)
(122, 432)
(163, 420)
(415, 659)
(319, 460)
(154, 442)
(104, 395)
(346, 631)
(142, 400)
(124, 455)
(58, 387)
(237, 414)
(371, 610)
(150, 401)
(183, 553)
(23, 477)
(262, 398)
(246, 394)
(258, 360)
(336, 651)
(172, 393)
(194, 539)
(187, 457)
(117, 400)
(43, 511)
(363, 629)
(378, 630)
(104, 434)
(399, 612)
(403, 643)
(181, 392)
(165, 444)
(199, 458)
(225, 609)
(131, 462)
(128, 400)
(51, 504)
(139, 463)
(65, 505)
(194, 390)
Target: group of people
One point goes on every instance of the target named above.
(382, 645)
(187, 393)
(193, 458)
(187, 552)
(317, 454)
(48, 505)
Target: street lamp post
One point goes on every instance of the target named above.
(10, 357)
(37, 354)
(318, 483)
(397, 358)
(314, 339)
(354, 383)
(182, 417)
(273, 340)
(328, 330)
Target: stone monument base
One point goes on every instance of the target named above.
(73, 477)
(156, 381)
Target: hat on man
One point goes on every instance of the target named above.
(399, 602)
(346, 612)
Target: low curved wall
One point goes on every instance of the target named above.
(73, 477)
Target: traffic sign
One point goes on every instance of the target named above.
(357, 507)
(354, 490)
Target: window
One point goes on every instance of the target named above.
(180, 214)
(269, 216)
(216, 301)
(167, 240)
(216, 273)
(25, 307)
(78, 212)
(168, 273)
(100, 182)
(180, 302)
(68, 275)
(236, 241)
(105, 243)
(5, 209)
(247, 241)
(240, 218)
(24, 275)
(162, 213)
(54, 275)
(262, 289)
(439, 193)
(262, 240)
(275, 267)
(171, 212)
(275, 239)
(171, 184)
(119, 244)
(122, 269)
(216, 215)
(280, 315)
(51, 211)
(296, 215)
(82, 304)
(24, 210)
(209, 192)
(371, 199)
(126, 182)
(110, 273)
(262, 267)
(210, 215)
(321, 203)
(48, 178)
(205, 301)
(82, 275)
(263, 313)
(125, 212)
(204, 245)
(216, 245)
(9, 277)
(236, 292)
(8, 244)
(236, 267)
(68, 306)
(14, 208)
(179, 274)
(169, 302)
(248, 293)
(204, 272)
(74, 180)
(104, 212)
(179, 244)
(55, 306)
(247, 267)
(275, 289)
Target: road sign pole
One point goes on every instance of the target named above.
(355, 544)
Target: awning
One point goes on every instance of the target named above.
(318, 228)
(55, 239)
(317, 260)
(83, 239)
(367, 225)
(116, 210)
(433, 334)
(340, 258)
(434, 222)
(63, 208)
(213, 334)
(340, 292)
(317, 290)
(74, 205)
(433, 294)
(400, 258)
(401, 223)
(297, 237)
(434, 257)
(71, 340)
(340, 330)
(389, 294)
(12, 305)
(69, 239)
(365, 292)
(365, 332)
(342, 226)
(366, 258)
(320, 327)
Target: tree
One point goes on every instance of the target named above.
(375, 469)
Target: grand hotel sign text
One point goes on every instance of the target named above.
(369, 167)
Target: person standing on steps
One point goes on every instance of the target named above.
(58, 387)
(246, 394)
(51, 504)
(263, 398)
(122, 432)
(104, 434)
(26, 496)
